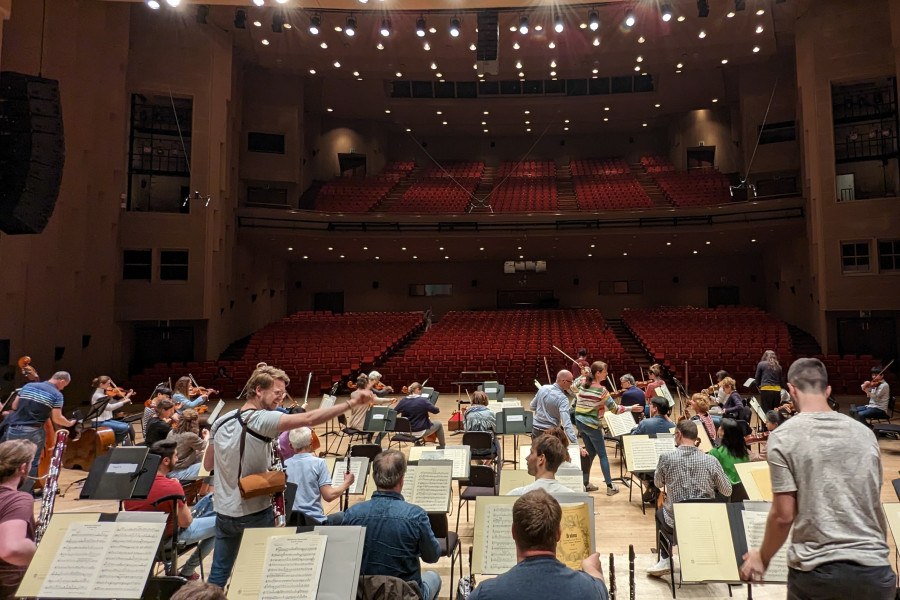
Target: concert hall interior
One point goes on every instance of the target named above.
(451, 192)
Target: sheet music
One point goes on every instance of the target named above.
(203, 472)
(575, 539)
(247, 577)
(428, 487)
(498, 549)
(642, 451)
(758, 410)
(121, 555)
(327, 401)
(358, 466)
(619, 424)
(663, 444)
(510, 479)
(458, 454)
(747, 472)
(571, 479)
(755, 529)
(704, 542)
(293, 565)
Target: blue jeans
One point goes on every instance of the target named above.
(187, 474)
(203, 530)
(119, 428)
(229, 531)
(431, 584)
(869, 412)
(595, 446)
(32, 433)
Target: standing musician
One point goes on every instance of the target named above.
(17, 526)
(879, 393)
(581, 362)
(183, 395)
(591, 403)
(768, 378)
(103, 386)
(242, 445)
(35, 403)
(551, 407)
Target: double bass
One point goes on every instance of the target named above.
(31, 374)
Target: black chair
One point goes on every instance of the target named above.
(669, 541)
(449, 541)
(896, 484)
(481, 444)
(348, 432)
(402, 433)
(370, 451)
(890, 414)
(162, 588)
(482, 481)
(169, 548)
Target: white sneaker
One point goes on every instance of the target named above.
(612, 489)
(659, 569)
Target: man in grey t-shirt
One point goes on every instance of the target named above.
(265, 391)
(826, 479)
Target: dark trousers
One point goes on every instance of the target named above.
(228, 540)
(662, 526)
(841, 580)
(769, 399)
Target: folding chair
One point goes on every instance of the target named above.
(449, 541)
(402, 433)
(480, 440)
(370, 451)
(482, 481)
(348, 432)
(169, 548)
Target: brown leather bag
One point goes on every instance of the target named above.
(258, 484)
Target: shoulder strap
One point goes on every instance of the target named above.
(244, 431)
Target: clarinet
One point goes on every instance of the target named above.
(347, 491)
(631, 571)
(278, 498)
(612, 576)
(51, 485)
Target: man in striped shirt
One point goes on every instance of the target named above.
(35, 403)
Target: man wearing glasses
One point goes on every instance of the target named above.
(551, 407)
(241, 445)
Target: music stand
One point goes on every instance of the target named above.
(380, 418)
(97, 409)
(513, 421)
(125, 473)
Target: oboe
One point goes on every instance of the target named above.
(278, 498)
(347, 491)
(612, 577)
(51, 485)
(631, 572)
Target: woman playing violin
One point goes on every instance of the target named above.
(656, 380)
(117, 398)
(182, 397)
(700, 405)
(159, 426)
(378, 388)
(160, 393)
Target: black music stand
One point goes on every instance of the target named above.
(379, 419)
(96, 410)
(124, 473)
(515, 422)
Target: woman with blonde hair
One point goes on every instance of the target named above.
(769, 377)
(734, 404)
(700, 404)
(191, 444)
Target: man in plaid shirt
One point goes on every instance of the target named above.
(686, 473)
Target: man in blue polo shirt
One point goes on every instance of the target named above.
(416, 407)
(35, 403)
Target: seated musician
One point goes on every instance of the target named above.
(773, 419)
(191, 443)
(631, 395)
(16, 515)
(547, 454)
(197, 525)
(717, 394)
(656, 380)
(416, 407)
(731, 451)
(734, 404)
(700, 405)
(538, 574)
(686, 473)
(878, 392)
(786, 408)
(478, 417)
(159, 426)
(398, 534)
(310, 474)
(658, 422)
(159, 393)
(357, 418)
(122, 429)
(183, 395)
(379, 389)
(34, 404)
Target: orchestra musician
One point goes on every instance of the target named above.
(478, 417)
(773, 420)
(160, 393)
(734, 404)
(700, 405)
(258, 423)
(416, 407)
(591, 403)
(717, 395)
(378, 388)
(191, 443)
(732, 451)
(879, 394)
(357, 418)
(35, 403)
(551, 407)
(103, 387)
(543, 461)
(17, 526)
(656, 380)
(159, 426)
(630, 394)
(538, 574)
(581, 362)
(182, 395)
(769, 378)
(310, 474)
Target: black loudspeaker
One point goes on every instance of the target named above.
(32, 151)
(488, 35)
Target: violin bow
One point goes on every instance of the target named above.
(549, 379)
(563, 353)
(306, 395)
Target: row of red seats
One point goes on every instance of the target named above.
(518, 194)
(348, 194)
(599, 166)
(694, 188)
(527, 169)
(437, 195)
(459, 169)
(600, 192)
(657, 163)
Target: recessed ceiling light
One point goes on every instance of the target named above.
(715, 100)
(641, 40)
(565, 128)
(553, 64)
(512, 27)
(596, 41)
(519, 248)
(668, 243)
(605, 108)
(639, 59)
(724, 61)
(485, 130)
(753, 240)
(484, 122)
(482, 248)
(680, 18)
(516, 44)
(312, 71)
(403, 248)
(755, 49)
(538, 27)
(643, 124)
(589, 255)
(702, 34)
(387, 111)
(257, 24)
(552, 73)
(521, 74)
(380, 46)
(359, 78)
(265, 42)
(527, 112)
(624, 254)
(440, 112)
(338, 28)
(551, 45)
(414, 256)
(444, 123)
(342, 256)
(528, 122)
(330, 109)
(434, 65)
(481, 74)
(583, 26)
(695, 252)
(305, 257)
(472, 47)
(656, 105)
(708, 243)
(486, 112)
(337, 65)
(398, 74)
(475, 66)
(730, 14)
(679, 65)
(518, 64)
(637, 68)
(438, 75)
(566, 121)
(432, 30)
(760, 12)
(528, 129)
(759, 29)
(606, 118)
(377, 258)
(408, 130)
(330, 248)
(290, 249)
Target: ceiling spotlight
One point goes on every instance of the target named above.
(640, 59)
(724, 61)
(398, 74)
(596, 41)
(558, 24)
(594, 20)
(277, 21)
(350, 26)
(433, 66)
(641, 40)
(385, 27)
(173, 3)
(755, 49)
(427, 46)
(265, 42)
(153, 4)
(665, 13)
(702, 8)
(629, 18)
(240, 19)
(438, 75)
(516, 46)
(363, 1)
(454, 27)
(551, 45)
(730, 14)
(538, 27)
(759, 29)
(259, 2)
(552, 73)
(420, 27)
(760, 12)
(553, 64)
(679, 65)
(518, 64)
(312, 71)
(523, 25)
(522, 74)
(257, 23)
(356, 73)
(314, 23)
(680, 18)
(583, 26)
(472, 47)
(715, 100)
(595, 71)
(330, 109)
(323, 46)
(702, 34)
(337, 64)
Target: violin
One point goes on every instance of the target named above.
(755, 438)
